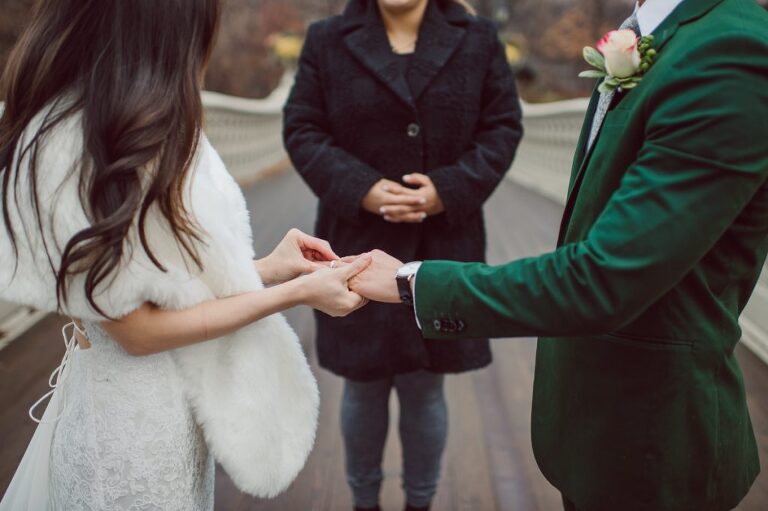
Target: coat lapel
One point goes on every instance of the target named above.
(367, 39)
(688, 11)
(440, 34)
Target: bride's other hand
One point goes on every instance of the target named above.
(296, 254)
(328, 291)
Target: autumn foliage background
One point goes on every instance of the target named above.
(545, 39)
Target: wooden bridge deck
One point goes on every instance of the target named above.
(488, 465)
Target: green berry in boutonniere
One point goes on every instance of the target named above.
(621, 59)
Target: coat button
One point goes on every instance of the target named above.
(438, 326)
(413, 130)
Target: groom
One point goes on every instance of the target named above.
(639, 403)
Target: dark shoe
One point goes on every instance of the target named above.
(408, 507)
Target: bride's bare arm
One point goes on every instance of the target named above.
(150, 330)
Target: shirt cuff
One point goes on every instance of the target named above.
(413, 294)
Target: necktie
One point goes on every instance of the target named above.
(605, 99)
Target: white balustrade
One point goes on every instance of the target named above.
(247, 134)
(543, 161)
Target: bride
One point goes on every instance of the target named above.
(118, 212)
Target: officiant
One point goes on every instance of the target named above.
(403, 120)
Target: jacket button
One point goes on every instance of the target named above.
(413, 130)
(438, 326)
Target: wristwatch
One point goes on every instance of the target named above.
(404, 276)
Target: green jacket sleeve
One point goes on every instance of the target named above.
(703, 160)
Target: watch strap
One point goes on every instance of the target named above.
(404, 289)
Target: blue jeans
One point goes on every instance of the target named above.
(423, 433)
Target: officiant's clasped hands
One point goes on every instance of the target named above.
(398, 203)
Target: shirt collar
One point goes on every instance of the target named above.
(653, 13)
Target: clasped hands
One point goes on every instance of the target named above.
(314, 275)
(400, 204)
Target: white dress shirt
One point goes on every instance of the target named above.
(653, 12)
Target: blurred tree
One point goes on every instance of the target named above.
(287, 47)
(485, 8)
(13, 15)
(546, 38)
(243, 63)
(554, 33)
(315, 9)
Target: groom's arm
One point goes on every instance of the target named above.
(704, 160)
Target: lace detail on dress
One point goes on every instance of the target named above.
(127, 439)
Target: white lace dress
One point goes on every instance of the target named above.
(126, 439)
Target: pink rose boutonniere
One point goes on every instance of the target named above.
(621, 59)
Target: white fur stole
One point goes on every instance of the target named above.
(252, 392)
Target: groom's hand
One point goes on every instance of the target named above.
(378, 282)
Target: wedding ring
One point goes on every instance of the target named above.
(333, 264)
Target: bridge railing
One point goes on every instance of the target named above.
(543, 164)
(247, 134)
(543, 161)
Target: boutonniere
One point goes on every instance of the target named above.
(621, 59)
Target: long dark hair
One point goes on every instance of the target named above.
(133, 68)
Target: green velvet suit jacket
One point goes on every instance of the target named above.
(639, 402)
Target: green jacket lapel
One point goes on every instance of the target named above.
(686, 12)
(581, 146)
(580, 159)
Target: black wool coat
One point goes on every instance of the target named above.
(352, 119)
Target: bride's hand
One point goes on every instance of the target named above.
(327, 290)
(297, 254)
